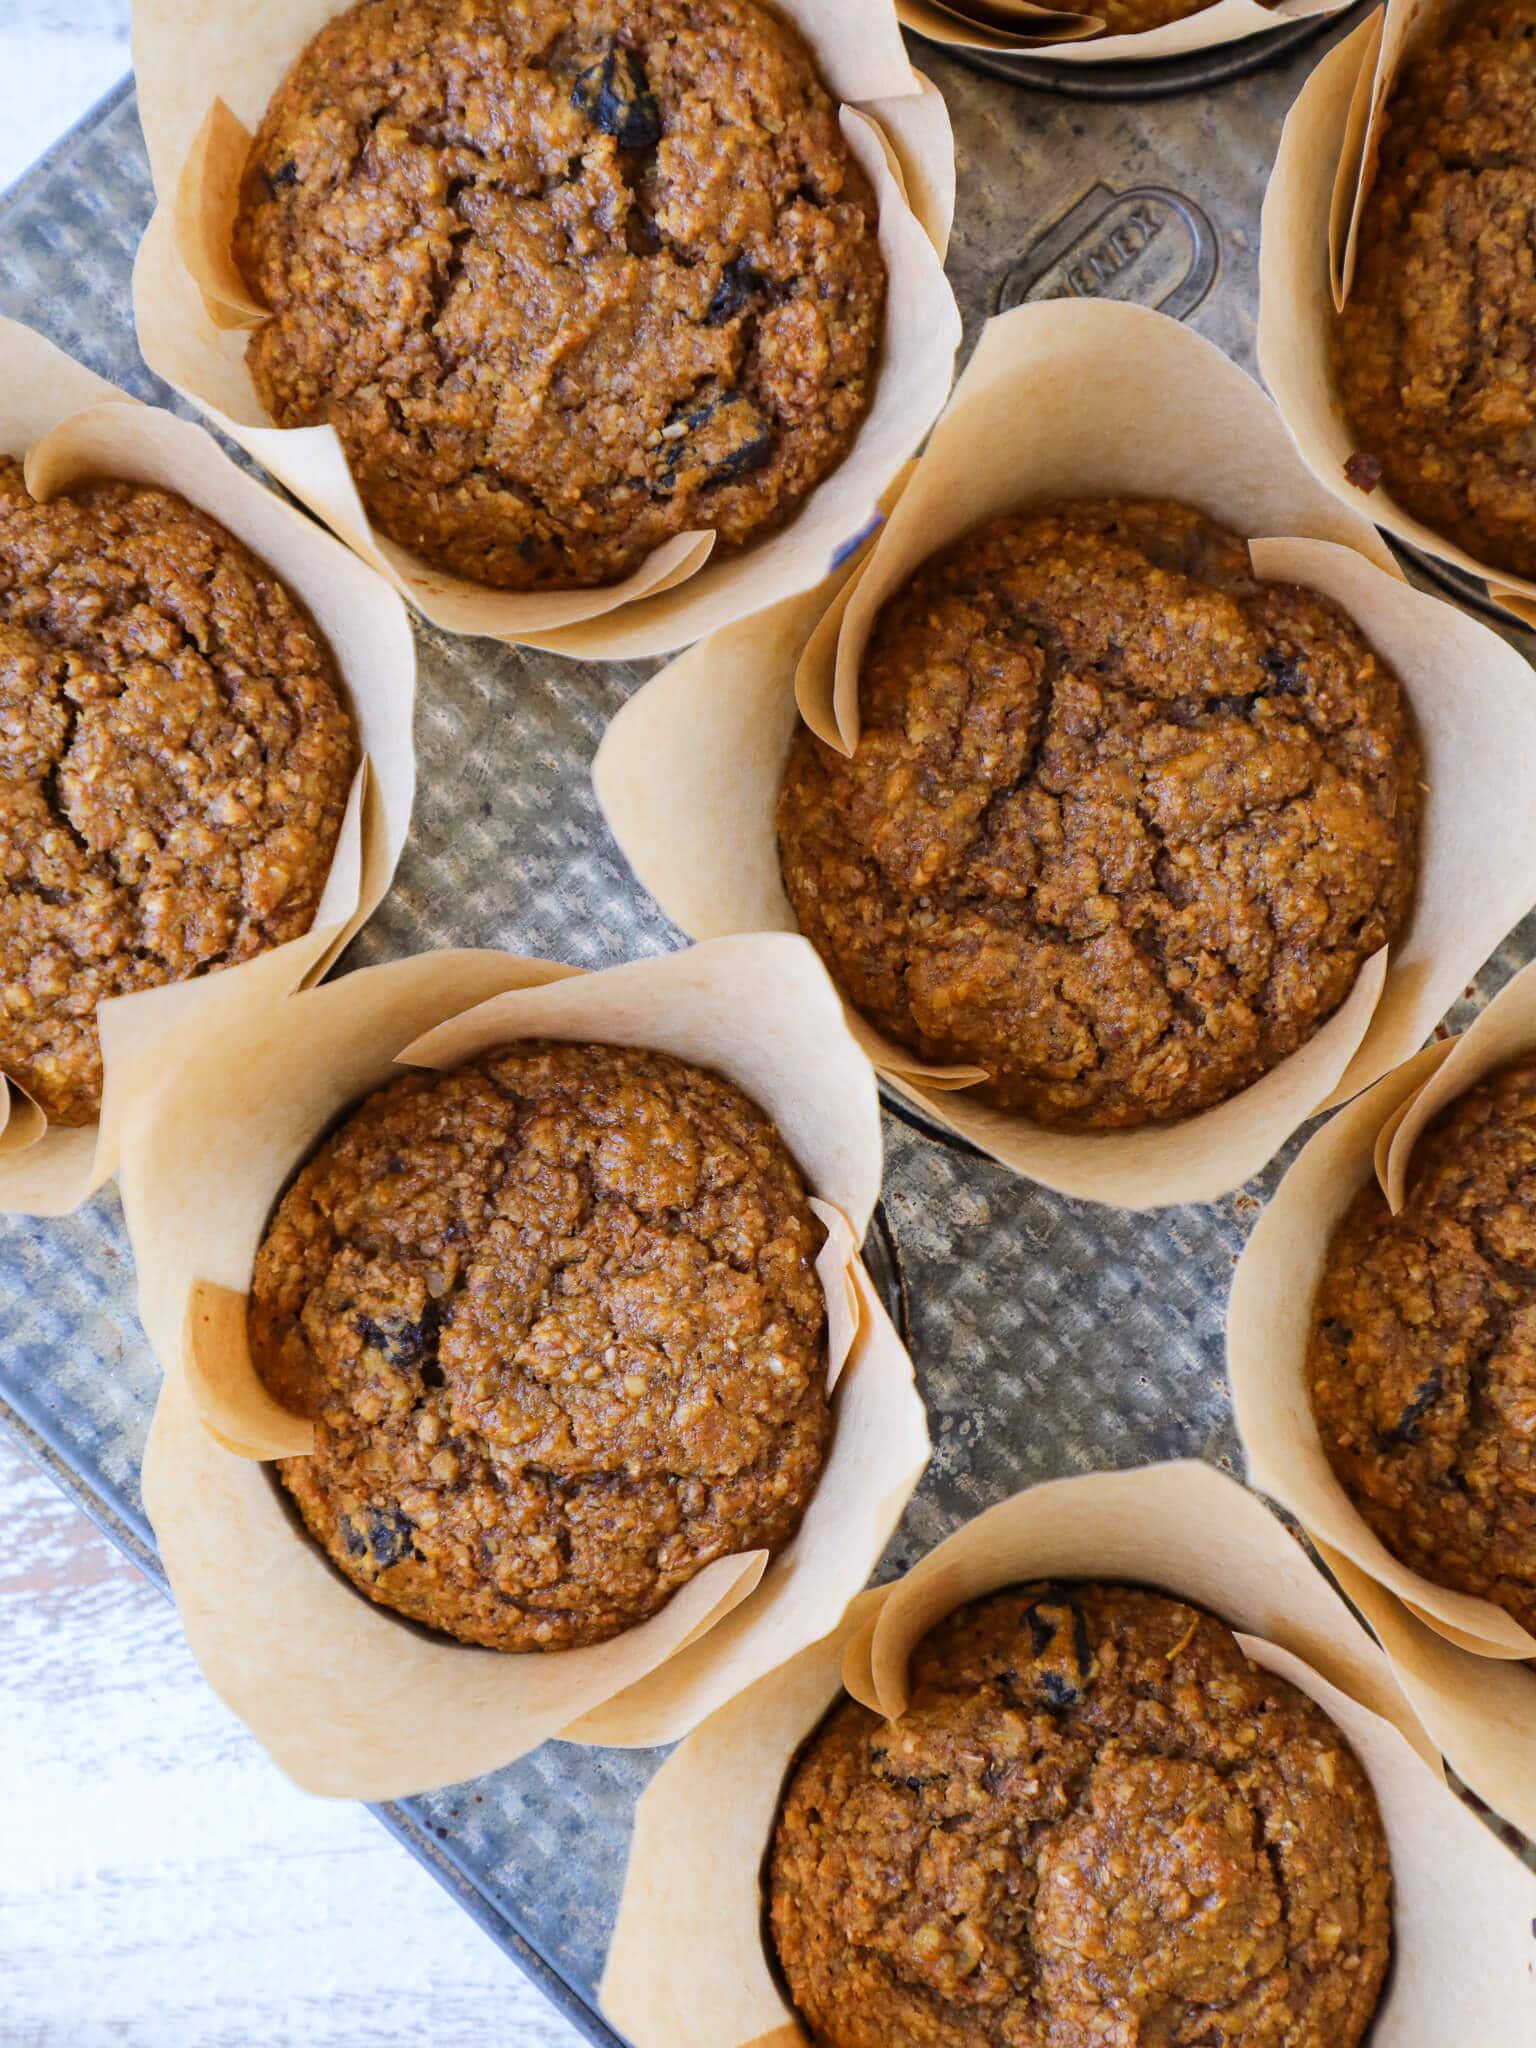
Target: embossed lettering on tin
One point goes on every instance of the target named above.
(1149, 245)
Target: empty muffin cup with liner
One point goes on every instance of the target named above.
(590, 1370)
(1381, 1363)
(1118, 32)
(1127, 862)
(973, 1760)
(210, 769)
(1403, 404)
(590, 359)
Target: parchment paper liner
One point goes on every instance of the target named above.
(1481, 1712)
(687, 1969)
(1043, 32)
(688, 772)
(203, 87)
(1320, 184)
(349, 1699)
(71, 425)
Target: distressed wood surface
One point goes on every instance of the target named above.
(161, 1885)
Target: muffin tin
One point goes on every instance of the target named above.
(1051, 1337)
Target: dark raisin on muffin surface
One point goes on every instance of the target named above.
(567, 280)
(1096, 1821)
(557, 1321)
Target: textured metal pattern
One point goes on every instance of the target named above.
(1051, 1336)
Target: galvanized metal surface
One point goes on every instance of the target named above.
(1050, 1336)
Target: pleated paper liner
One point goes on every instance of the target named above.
(1015, 28)
(72, 426)
(688, 1967)
(203, 88)
(1318, 191)
(1464, 1663)
(347, 1697)
(689, 771)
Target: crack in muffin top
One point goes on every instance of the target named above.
(567, 280)
(1422, 1362)
(557, 1320)
(176, 763)
(1096, 1822)
(1435, 352)
(1123, 822)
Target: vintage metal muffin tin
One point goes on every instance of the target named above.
(1050, 1336)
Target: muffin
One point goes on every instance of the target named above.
(1096, 1822)
(1434, 357)
(176, 763)
(556, 1319)
(567, 281)
(1422, 1358)
(1123, 823)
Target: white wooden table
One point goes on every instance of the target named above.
(161, 1885)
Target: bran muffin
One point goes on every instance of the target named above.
(557, 1321)
(1422, 1360)
(567, 280)
(175, 760)
(1435, 352)
(1123, 822)
(1097, 1821)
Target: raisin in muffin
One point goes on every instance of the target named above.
(1097, 1821)
(1433, 354)
(175, 758)
(1422, 1362)
(1123, 824)
(556, 1318)
(567, 281)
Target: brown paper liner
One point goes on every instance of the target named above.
(1072, 39)
(1457, 1657)
(1320, 185)
(71, 425)
(687, 1967)
(203, 89)
(1269, 1323)
(688, 773)
(309, 1664)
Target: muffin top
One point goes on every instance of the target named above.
(1123, 823)
(175, 758)
(1422, 1362)
(1096, 1822)
(1434, 355)
(567, 280)
(557, 1321)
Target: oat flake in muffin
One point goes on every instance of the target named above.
(1123, 824)
(1096, 1823)
(1435, 353)
(566, 279)
(175, 758)
(557, 1321)
(1422, 1363)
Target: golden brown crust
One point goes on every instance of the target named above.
(1433, 354)
(1097, 1822)
(176, 762)
(557, 1319)
(567, 280)
(1123, 824)
(1422, 1362)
